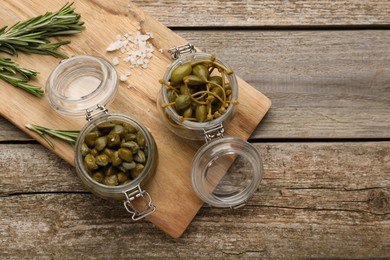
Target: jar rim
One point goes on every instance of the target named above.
(174, 115)
(213, 151)
(99, 88)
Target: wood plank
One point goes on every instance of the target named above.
(9, 132)
(172, 180)
(267, 13)
(324, 84)
(315, 200)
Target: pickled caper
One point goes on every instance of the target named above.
(125, 154)
(115, 152)
(84, 149)
(208, 92)
(113, 140)
(182, 102)
(201, 71)
(140, 157)
(90, 162)
(141, 140)
(137, 170)
(101, 143)
(119, 130)
(98, 177)
(133, 146)
(180, 72)
(102, 160)
(201, 113)
(122, 177)
(111, 180)
(90, 138)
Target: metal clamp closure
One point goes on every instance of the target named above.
(94, 112)
(133, 194)
(216, 132)
(177, 51)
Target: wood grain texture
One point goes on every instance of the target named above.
(198, 13)
(315, 200)
(324, 84)
(170, 188)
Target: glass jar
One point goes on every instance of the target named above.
(84, 85)
(216, 175)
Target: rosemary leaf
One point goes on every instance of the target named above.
(69, 136)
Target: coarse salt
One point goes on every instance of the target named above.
(135, 48)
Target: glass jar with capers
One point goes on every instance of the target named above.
(198, 98)
(115, 155)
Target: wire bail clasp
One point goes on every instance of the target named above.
(90, 113)
(133, 194)
(177, 51)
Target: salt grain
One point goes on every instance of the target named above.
(135, 47)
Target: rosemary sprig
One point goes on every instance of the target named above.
(69, 136)
(8, 71)
(31, 35)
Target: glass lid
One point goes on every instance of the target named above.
(226, 172)
(81, 83)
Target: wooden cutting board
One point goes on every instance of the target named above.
(170, 189)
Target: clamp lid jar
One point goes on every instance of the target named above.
(115, 155)
(199, 80)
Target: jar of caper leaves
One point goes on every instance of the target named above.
(198, 98)
(115, 155)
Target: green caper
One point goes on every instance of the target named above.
(84, 149)
(113, 140)
(102, 159)
(101, 143)
(141, 140)
(182, 102)
(216, 91)
(98, 177)
(216, 80)
(130, 137)
(130, 128)
(133, 146)
(90, 162)
(106, 127)
(201, 71)
(188, 112)
(119, 130)
(201, 113)
(94, 152)
(90, 138)
(193, 80)
(108, 152)
(137, 170)
(110, 159)
(128, 166)
(115, 159)
(110, 180)
(180, 72)
(125, 154)
(184, 90)
(122, 177)
(140, 157)
(110, 171)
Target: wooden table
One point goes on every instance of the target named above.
(325, 144)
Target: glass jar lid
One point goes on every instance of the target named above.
(81, 83)
(226, 172)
